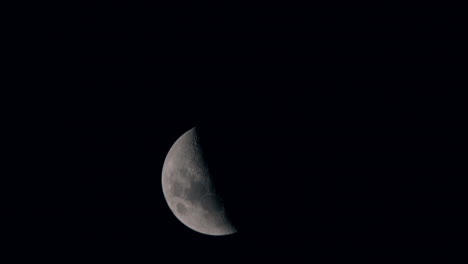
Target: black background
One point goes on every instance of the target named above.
(333, 127)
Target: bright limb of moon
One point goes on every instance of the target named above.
(189, 190)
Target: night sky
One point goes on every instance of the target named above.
(329, 128)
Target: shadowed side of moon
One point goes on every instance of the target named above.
(189, 190)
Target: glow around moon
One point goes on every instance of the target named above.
(189, 190)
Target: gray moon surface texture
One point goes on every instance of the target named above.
(189, 190)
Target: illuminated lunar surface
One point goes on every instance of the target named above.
(189, 190)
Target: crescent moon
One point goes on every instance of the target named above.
(189, 190)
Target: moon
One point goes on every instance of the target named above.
(189, 189)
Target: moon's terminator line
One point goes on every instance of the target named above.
(189, 189)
